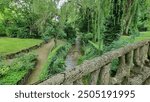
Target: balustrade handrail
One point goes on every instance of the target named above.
(89, 66)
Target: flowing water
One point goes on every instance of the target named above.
(71, 59)
(73, 55)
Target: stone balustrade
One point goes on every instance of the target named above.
(130, 70)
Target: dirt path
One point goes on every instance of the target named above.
(42, 53)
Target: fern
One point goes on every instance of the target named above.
(94, 45)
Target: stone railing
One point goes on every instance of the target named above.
(131, 58)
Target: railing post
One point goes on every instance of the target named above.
(142, 57)
(94, 77)
(129, 58)
(121, 67)
(146, 48)
(136, 57)
(129, 62)
(149, 51)
(105, 75)
(121, 71)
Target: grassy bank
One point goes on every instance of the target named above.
(11, 45)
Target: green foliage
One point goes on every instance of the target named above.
(2, 31)
(3, 69)
(48, 33)
(144, 16)
(18, 19)
(50, 59)
(94, 45)
(86, 37)
(14, 72)
(114, 66)
(53, 31)
(12, 78)
(89, 52)
(55, 63)
(24, 62)
(113, 23)
(70, 32)
(117, 44)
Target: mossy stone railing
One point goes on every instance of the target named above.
(131, 57)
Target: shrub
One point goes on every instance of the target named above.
(11, 74)
(3, 69)
(89, 52)
(116, 45)
(2, 29)
(86, 37)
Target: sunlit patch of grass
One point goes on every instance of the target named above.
(11, 45)
(143, 36)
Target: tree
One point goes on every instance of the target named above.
(113, 22)
(18, 20)
(144, 15)
(130, 17)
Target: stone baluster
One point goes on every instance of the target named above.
(149, 52)
(121, 71)
(129, 59)
(146, 47)
(94, 77)
(136, 57)
(121, 67)
(105, 74)
(129, 62)
(142, 57)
